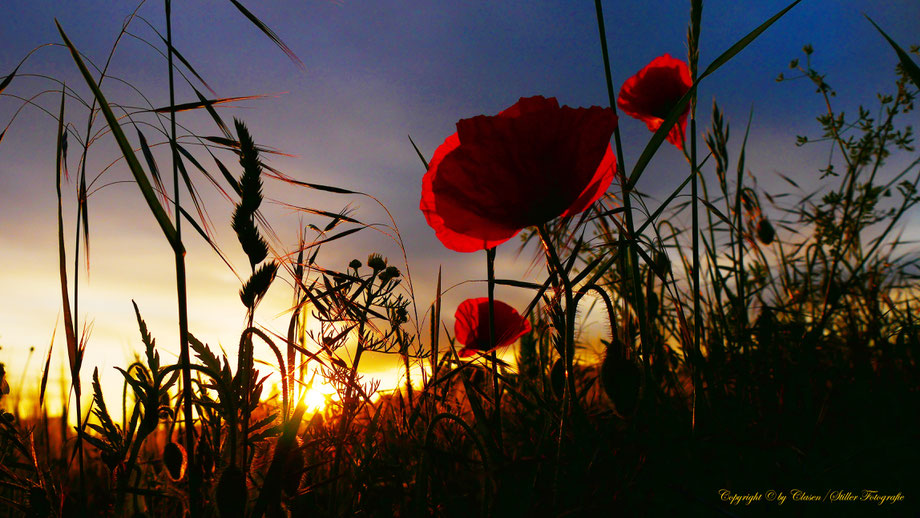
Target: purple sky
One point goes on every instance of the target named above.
(375, 72)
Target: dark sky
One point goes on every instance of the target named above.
(375, 72)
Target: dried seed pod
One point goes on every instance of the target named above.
(765, 232)
(622, 381)
(231, 493)
(176, 460)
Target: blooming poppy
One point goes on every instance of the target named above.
(651, 94)
(471, 326)
(531, 163)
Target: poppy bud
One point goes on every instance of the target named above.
(765, 232)
(661, 264)
(231, 493)
(621, 379)
(747, 201)
(557, 378)
(176, 460)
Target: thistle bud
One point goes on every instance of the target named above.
(376, 262)
(354, 264)
(176, 460)
(391, 272)
(765, 232)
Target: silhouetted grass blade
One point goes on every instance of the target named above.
(913, 71)
(127, 151)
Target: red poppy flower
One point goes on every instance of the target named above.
(471, 326)
(653, 92)
(531, 163)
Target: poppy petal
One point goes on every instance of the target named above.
(471, 326)
(651, 94)
(531, 163)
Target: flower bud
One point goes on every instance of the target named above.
(622, 380)
(765, 232)
(661, 264)
(376, 262)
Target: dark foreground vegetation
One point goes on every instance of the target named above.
(758, 342)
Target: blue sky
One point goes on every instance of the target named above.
(375, 72)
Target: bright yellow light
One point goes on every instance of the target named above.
(318, 396)
(315, 400)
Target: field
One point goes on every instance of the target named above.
(758, 353)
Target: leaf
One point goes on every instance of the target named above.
(208, 358)
(72, 352)
(152, 165)
(203, 103)
(153, 359)
(41, 397)
(911, 68)
(6, 80)
(419, 153)
(127, 151)
(270, 33)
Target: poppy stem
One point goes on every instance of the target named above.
(496, 391)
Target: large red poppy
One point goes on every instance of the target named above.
(653, 92)
(531, 163)
(471, 326)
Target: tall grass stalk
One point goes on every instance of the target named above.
(626, 186)
(181, 291)
(696, 8)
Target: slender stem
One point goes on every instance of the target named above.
(633, 242)
(496, 391)
(179, 252)
(696, 7)
(568, 348)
